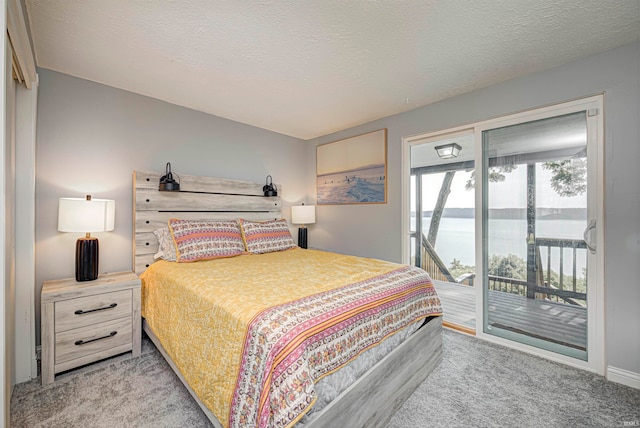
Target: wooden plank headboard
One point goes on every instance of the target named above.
(199, 198)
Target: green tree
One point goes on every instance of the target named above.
(445, 189)
(497, 174)
(569, 177)
(457, 269)
(510, 266)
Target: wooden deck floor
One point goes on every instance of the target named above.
(458, 304)
(564, 324)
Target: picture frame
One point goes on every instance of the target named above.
(353, 170)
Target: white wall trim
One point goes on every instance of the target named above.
(5, 381)
(25, 350)
(624, 377)
(19, 38)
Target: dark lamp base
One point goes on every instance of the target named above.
(87, 259)
(302, 237)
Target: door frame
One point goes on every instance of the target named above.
(595, 178)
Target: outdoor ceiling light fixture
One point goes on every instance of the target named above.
(448, 151)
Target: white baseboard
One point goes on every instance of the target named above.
(624, 377)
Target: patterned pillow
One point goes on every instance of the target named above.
(166, 247)
(204, 240)
(266, 236)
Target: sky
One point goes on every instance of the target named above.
(508, 194)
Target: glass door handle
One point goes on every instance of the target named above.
(587, 236)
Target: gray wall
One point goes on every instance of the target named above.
(90, 139)
(375, 230)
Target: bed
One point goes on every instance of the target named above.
(267, 355)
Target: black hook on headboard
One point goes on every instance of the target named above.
(269, 188)
(167, 182)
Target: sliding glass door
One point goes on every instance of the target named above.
(528, 187)
(536, 228)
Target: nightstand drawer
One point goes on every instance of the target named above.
(84, 311)
(100, 338)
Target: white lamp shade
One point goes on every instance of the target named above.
(82, 215)
(303, 214)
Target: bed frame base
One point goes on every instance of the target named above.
(373, 399)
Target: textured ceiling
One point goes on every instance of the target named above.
(309, 68)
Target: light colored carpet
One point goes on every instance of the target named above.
(478, 384)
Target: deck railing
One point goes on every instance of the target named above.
(431, 262)
(566, 290)
(508, 285)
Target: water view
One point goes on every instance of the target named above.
(508, 236)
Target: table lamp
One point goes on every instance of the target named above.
(86, 215)
(303, 214)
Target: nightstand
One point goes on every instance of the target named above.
(83, 322)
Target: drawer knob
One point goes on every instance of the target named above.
(82, 312)
(84, 342)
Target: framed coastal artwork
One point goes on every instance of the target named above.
(353, 170)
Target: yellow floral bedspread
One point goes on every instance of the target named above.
(201, 313)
